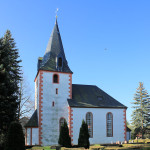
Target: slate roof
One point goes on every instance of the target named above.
(92, 96)
(33, 122)
(128, 129)
(53, 51)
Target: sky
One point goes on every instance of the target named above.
(106, 42)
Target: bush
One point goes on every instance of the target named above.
(64, 138)
(83, 140)
(15, 138)
(2, 141)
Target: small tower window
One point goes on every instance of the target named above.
(59, 62)
(55, 78)
(56, 90)
(53, 104)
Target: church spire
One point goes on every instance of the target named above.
(54, 58)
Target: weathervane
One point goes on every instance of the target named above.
(56, 12)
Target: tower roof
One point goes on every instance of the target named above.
(53, 53)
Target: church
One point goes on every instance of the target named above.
(57, 100)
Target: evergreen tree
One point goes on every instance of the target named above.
(140, 114)
(9, 79)
(64, 138)
(15, 138)
(83, 140)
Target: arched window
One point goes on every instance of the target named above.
(89, 121)
(109, 120)
(55, 78)
(61, 122)
(59, 62)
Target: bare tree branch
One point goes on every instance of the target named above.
(26, 102)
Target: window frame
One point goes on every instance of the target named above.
(91, 135)
(55, 74)
(53, 103)
(56, 91)
(111, 124)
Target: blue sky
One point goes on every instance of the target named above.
(106, 42)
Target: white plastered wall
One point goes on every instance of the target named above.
(37, 95)
(99, 124)
(35, 131)
(51, 115)
(128, 135)
(35, 136)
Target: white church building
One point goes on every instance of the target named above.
(57, 99)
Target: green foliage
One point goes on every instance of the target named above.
(64, 138)
(140, 114)
(9, 79)
(15, 138)
(83, 140)
(2, 141)
(139, 131)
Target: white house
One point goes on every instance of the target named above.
(57, 99)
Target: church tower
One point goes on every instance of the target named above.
(53, 86)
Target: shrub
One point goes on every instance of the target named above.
(83, 140)
(64, 138)
(2, 141)
(15, 138)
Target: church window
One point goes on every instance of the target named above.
(55, 78)
(59, 62)
(89, 121)
(61, 122)
(109, 119)
(53, 104)
(56, 90)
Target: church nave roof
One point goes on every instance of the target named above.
(92, 96)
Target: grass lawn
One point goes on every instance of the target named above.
(39, 147)
(97, 146)
(140, 141)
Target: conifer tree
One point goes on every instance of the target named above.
(140, 114)
(83, 140)
(64, 138)
(9, 79)
(15, 138)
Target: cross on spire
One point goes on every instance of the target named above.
(56, 12)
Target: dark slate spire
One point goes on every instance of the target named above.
(54, 58)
